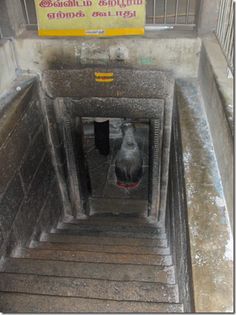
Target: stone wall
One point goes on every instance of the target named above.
(178, 217)
(28, 191)
(12, 21)
(217, 92)
(211, 241)
(207, 16)
(176, 52)
(7, 65)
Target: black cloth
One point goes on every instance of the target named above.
(101, 132)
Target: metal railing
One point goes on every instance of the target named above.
(158, 12)
(225, 30)
(29, 13)
(171, 12)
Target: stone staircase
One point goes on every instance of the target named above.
(99, 264)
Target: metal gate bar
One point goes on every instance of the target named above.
(26, 13)
(225, 30)
(171, 12)
(176, 11)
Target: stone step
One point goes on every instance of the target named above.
(110, 231)
(102, 240)
(29, 303)
(103, 271)
(89, 288)
(117, 249)
(84, 225)
(126, 220)
(85, 256)
(119, 202)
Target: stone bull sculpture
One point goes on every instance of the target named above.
(128, 161)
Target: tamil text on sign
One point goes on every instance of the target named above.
(90, 17)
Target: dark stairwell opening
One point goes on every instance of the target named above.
(105, 188)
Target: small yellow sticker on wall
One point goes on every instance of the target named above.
(104, 77)
(104, 74)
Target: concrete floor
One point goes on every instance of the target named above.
(210, 234)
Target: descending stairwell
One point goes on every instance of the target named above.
(99, 264)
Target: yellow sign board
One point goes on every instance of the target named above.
(90, 17)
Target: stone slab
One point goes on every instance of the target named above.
(137, 231)
(12, 109)
(86, 256)
(18, 302)
(10, 203)
(81, 83)
(103, 240)
(217, 92)
(118, 107)
(209, 225)
(52, 210)
(32, 160)
(28, 215)
(104, 248)
(92, 270)
(33, 118)
(90, 288)
(12, 153)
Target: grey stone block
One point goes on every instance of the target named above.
(219, 126)
(33, 118)
(5, 24)
(122, 107)
(10, 242)
(32, 159)
(10, 203)
(205, 76)
(13, 107)
(50, 213)
(12, 20)
(1, 237)
(223, 145)
(11, 155)
(208, 15)
(52, 209)
(30, 210)
(94, 55)
(127, 83)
